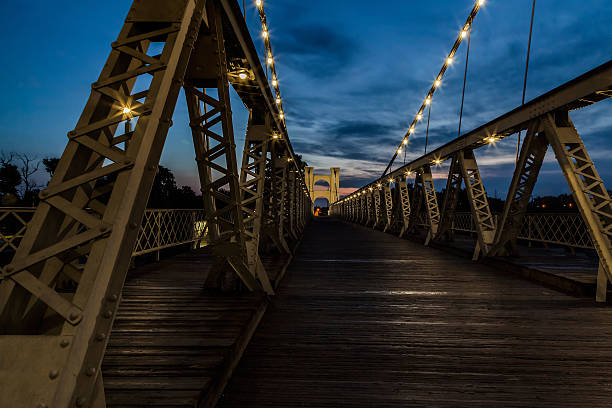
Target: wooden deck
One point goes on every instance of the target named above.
(172, 344)
(364, 319)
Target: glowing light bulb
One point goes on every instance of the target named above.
(270, 60)
(437, 161)
(463, 34)
(490, 139)
(405, 142)
(427, 101)
(264, 34)
(274, 82)
(399, 151)
(282, 115)
(126, 110)
(437, 83)
(242, 75)
(449, 61)
(258, 3)
(419, 116)
(411, 131)
(408, 173)
(278, 101)
(390, 180)
(481, 2)
(275, 136)
(379, 185)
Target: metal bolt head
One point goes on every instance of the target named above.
(42, 405)
(108, 314)
(80, 402)
(53, 374)
(74, 315)
(90, 371)
(64, 343)
(100, 336)
(112, 298)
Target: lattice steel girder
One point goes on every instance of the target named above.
(105, 235)
(587, 187)
(217, 151)
(416, 205)
(252, 181)
(402, 213)
(369, 204)
(388, 206)
(376, 207)
(479, 204)
(274, 211)
(525, 176)
(431, 203)
(451, 197)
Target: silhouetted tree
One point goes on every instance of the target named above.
(10, 179)
(50, 164)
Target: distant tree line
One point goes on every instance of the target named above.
(18, 185)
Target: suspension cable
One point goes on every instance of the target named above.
(427, 131)
(467, 59)
(518, 141)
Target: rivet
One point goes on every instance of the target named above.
(74, 315)
(53, 374)
(42, 405)
(64, 343)
(100, 336)
(9, 269)
(127, 162)
(133, 225)
(112, 298)
(104, 228)
(108, 314)
(80, 401)
(90, 371)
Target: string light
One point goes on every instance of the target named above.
(269, 57)
(405, 142)
(126, 110)
(490, 139)
(411, 132)
(242, 75)
(447, 62)
(399, 151)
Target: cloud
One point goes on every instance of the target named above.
(317, 50)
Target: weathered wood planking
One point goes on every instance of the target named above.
(364, 319)
(172, 344)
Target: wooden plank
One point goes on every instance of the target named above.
(172, 342)
(365, 319)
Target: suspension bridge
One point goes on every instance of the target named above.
(397, 298)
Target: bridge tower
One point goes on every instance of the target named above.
(333, 179)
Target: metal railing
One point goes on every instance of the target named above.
(566, 229)
(160, 229)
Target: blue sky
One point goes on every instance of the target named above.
(352, 74)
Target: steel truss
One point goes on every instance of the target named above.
(547, 122)
(86, 225)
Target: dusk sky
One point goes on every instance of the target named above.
(352, 75)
